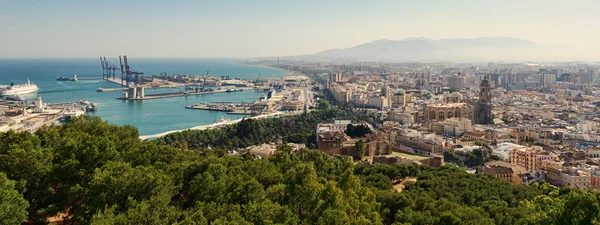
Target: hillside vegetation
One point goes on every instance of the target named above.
(91, 172)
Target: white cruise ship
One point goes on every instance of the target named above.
(20, 89)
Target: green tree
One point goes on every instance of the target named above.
(303, 188)
(323, 104)
(12, 205)
(123, 187)
(360, 149)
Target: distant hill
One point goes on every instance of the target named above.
(417, 49)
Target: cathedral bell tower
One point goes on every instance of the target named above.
(483, 109)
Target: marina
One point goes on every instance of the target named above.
(20, 116)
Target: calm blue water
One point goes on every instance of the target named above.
(149, 116)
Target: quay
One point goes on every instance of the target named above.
(110, 89)
(135, 93)
(31, 117)
(156, 83)
(238, 109)
(89, 78)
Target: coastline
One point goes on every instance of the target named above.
(266, 66)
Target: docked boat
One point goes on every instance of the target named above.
(88, 106)
(20, 88)
(68, 116)
(92, 107)
(74, 78)
(14, 97)
(223, 119)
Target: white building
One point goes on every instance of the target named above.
(337, 125)
(39, 105)
(401, 117)
(502, 150)
(379, 102)
(456, 126)
(586, 126)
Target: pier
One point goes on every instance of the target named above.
(110, 89)
(135, 93)
(89, 78)
(237, 109)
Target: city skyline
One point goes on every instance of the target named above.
(267, 28)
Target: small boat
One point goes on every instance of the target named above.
(92, 107)
(74, 78)
(71, 114)
(88, 106)
(15, 97)
(223, 119)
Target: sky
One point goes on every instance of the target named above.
(263, 28)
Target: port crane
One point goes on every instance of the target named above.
(108, 69)
(130, 74)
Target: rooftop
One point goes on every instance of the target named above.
(448, 105)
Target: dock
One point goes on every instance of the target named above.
(116, 81)
(79, 105)
(89, 78)
(110, 89)
(173, 94)
(239, 109)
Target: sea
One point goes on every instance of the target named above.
(149, 116)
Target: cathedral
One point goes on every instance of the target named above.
(483, 108)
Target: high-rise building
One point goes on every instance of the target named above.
(483, 108)
(495, 80)
(593, 75)
(456, 82)
(336, 77)
(511, 78)
(385, 91)
(546, 78)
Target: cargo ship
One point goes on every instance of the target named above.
(74, 78)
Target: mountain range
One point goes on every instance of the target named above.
(462, 49)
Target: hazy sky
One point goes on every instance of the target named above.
(246, 28)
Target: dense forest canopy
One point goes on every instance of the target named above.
(91, 172)
(248, 132)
